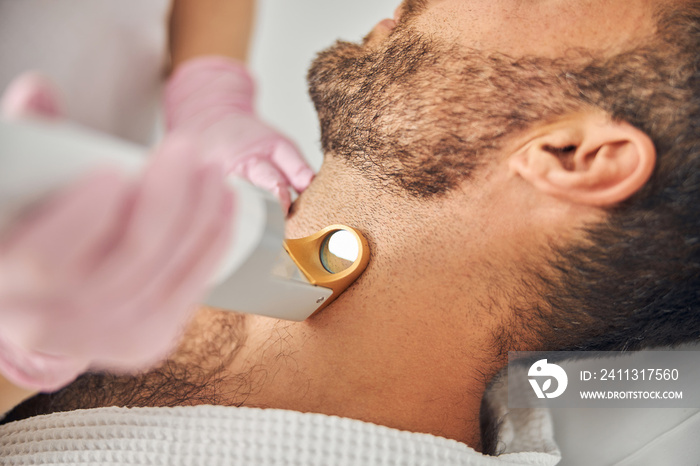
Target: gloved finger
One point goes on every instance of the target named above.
(144, 290)
(55, 239)
(164, 191)
(172, 295)
(207, 216)
(194, 275)
(175, 309)
(204, 252)
(187, 232)
(37, 371)
(30, 94)
(293, 165)
(265, 175)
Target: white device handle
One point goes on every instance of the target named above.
(38, 157)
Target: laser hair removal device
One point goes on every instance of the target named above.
(261, 272)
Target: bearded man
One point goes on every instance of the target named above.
(527, 177)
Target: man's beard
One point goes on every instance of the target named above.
(197, 373)
(420, 115)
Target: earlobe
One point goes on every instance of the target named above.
(587, 159)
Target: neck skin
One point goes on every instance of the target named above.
(410, 345)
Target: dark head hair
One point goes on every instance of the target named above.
(635, 281)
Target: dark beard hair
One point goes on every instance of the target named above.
(195, 374)
(417, 117)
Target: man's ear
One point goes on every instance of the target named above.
(586, 159)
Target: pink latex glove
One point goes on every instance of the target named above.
(105, 274)
(210, 100)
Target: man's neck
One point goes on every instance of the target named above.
(400, 348)
(378, 370)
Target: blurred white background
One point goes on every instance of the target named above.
(106, 57)
(287, 38)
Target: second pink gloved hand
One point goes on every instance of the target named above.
(210, 101)
(105, 273)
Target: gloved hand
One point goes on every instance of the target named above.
(104, 274)
(210, 100)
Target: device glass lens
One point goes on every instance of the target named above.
(339, 251)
